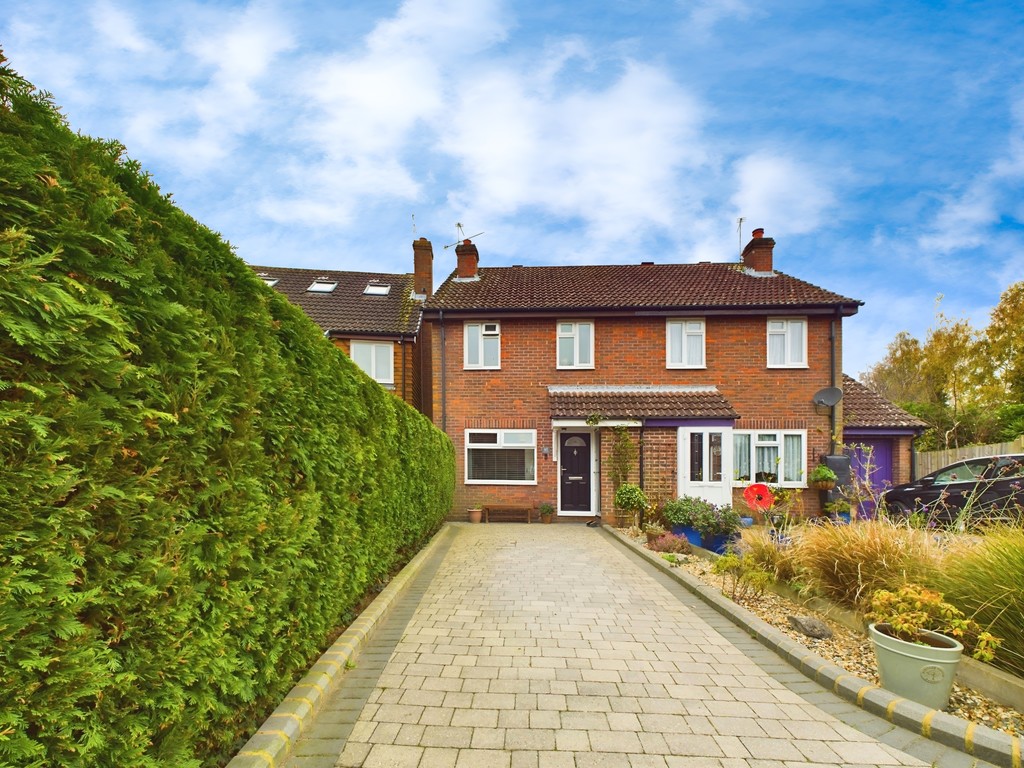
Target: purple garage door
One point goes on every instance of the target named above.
(871, 462)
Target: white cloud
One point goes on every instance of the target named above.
(783, 195)
(608, 157)
(117, 29)
(705, 14)
(965, 220)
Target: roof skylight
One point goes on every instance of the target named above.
(377, 289)
(322, 285)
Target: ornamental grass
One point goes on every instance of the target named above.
(984, 578)
(847, 563)
(763, 548)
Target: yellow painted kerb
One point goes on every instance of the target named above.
(969, 738)
(265, 756)
(891, 708)
(926, 724)
(864, 692)
(1015, 752)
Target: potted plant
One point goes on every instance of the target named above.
(918, 640)
(475, 513)
(681, 514)
(546, 511)
(717, 526)
(822, 478)
(631, 500)
(653, 531)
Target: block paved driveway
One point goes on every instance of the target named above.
(529, 646)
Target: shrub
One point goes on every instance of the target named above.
(741, 576)
(196, 487)
(983, 578)
(715, 520)
(631, 499)
(847, 563)
(684, 510)
(668, 542)
(913, 608)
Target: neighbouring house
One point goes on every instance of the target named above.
(374, 317)
(879, 437)
(711, 368)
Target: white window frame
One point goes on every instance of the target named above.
(505, 439)
(485, 330)
(688, 326)
(574, 334)
(760, 437)
(794, 355)
(373, 373)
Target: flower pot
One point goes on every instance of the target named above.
(717, 543)
(652, 537)
(823, 485)
(921, 673)
(475, 514)
(692, 534)
(546, 519)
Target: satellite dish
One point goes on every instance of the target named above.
(828, 396)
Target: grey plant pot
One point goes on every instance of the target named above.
(921, 673)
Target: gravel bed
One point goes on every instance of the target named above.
(852, 650)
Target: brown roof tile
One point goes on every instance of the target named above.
(347, 310)
(612, 402)
(636, 286)
(863, 407)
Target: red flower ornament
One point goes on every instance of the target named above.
(758, 497)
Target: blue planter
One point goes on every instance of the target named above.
(692, 534)
(747, 522)
(717, 544)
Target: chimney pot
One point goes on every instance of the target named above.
(759, 232)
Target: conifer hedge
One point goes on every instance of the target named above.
(195, 485)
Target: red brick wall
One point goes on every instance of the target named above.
(627, 351)
(407, 369)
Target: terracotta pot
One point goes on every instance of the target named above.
(475, 515)
(546, 519)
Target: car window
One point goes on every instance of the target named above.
(965, 471)
(1010, 467)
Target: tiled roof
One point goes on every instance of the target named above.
(863, 407)
(635, 286)
(638, 402)
(347, 310)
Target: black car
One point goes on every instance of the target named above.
(971, 491)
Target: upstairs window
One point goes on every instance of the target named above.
(684, 340)
(575, 345)
(376, 289)
(787, 343)
(501, 456)
(377, 359)
(482, 345)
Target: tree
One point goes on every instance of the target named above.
(1004, 340)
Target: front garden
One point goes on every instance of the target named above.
(966, 584)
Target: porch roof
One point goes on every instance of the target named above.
(636, 402)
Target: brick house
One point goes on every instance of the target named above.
(711, 368)
(374, 317)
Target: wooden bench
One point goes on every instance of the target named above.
(507, 512)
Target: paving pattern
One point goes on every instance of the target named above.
(537, 646)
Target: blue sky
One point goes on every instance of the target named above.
(881, 144)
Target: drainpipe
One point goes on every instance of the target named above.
(913, 458)
(832, 374)
(444, 402)
(643, 423)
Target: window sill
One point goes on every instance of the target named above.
(500, 482)
(681, 367)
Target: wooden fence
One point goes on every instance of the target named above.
(929, 461)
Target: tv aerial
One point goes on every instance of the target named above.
(462, 236)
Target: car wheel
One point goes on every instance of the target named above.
(897, 509)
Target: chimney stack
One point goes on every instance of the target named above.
(757, 255)
(467, 259)
(423, 267)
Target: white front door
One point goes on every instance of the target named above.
(705, 463)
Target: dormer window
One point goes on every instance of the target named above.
(271, 281)
(322, 285)
(377, 289)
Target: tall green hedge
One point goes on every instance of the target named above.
(195, 485)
